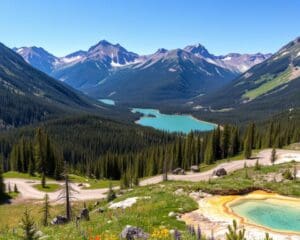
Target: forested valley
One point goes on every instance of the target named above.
(103, 149)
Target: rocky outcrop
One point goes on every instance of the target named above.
(131, 233)
(59, 220)
(220, 172)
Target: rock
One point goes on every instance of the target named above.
(84, 214)
(80, 184)
(195, 168)
(179, 191)
(39, 234)
(59, 220)
(100, 210)
(172, 214)
(220, 172)
(131, 233)
(198, 195)
(178, 171)
(126, 203)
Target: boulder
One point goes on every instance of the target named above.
(100, 210)
(195, 168)
(131, 233)
(59, 220)
(178, 171)
(220, 172)
(172, 214)
(179, 191)
(84, 214)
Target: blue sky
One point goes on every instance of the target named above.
(142, 26)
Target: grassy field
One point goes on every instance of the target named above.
(151, 214)
(50, 187)
(251, 178)
(269, 85)
(93, 183)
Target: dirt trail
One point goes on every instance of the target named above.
(28, 192)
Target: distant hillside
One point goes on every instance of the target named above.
(268, 88)
(28, 95)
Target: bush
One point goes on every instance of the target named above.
(287, 174)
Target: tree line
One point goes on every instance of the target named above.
(144, 153)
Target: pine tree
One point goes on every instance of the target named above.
(43, 180)
(257, 166)
(16, 188)
(66, 194)
(273, 156)
(2, 185)
(246, 170)
(67, 197)
(210, 154)
(217, 143)
(248, 143)
(46, 210)
(28, 226)
(234, 142)
(247, 148)
(225, 141)
(165, 170)
(111, 195)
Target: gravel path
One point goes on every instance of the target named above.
(28, 192)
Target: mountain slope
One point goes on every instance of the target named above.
(94, 65)
(28, 95)
(108, 70)
(234, 61)
(38, 58)
(165, 75)
(267, 88)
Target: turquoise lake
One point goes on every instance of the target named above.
(171, 122)
(274, 216)
(107, 101)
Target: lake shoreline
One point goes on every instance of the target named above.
(145, 112)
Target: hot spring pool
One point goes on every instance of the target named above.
(270, 214)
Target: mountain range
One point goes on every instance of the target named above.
(28, 95)
(186, 80)
(108, 70)
(268, 88)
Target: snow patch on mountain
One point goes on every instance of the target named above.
(112, 93)
(217, 70)
(210, 61)
(71, 59)
(227, 58)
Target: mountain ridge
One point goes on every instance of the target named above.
(29, 95)
(90, 71)
(269, 88)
